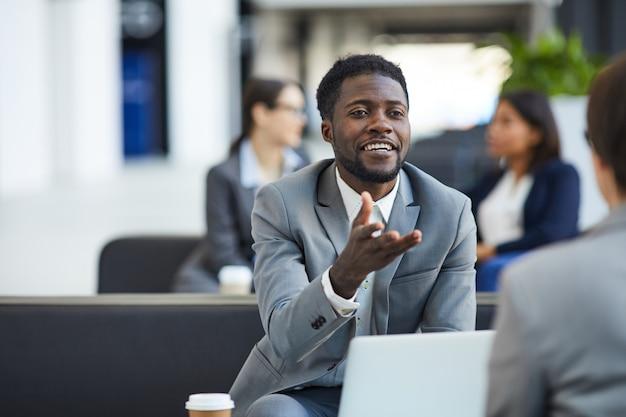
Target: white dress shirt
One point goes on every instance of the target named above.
(501, 214)
(361, 303)
(380, 213)
(249, 169)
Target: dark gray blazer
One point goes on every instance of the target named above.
(228, 240)
(560, 345)
(300, 225)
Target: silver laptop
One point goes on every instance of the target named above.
(417, 375)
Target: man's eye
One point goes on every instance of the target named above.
(396, 114)
(358, 113)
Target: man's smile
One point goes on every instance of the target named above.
(381, 146)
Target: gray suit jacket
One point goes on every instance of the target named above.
(299, 225)
(560, 346)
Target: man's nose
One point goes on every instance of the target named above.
(379, 123)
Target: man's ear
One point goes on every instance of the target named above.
(600, 167)
(605, 178)
(327, 131)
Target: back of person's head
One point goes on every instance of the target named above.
(258, 90)
(534, 108)
(353, 66)
(606, 118)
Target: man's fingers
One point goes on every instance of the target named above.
(363, 216)
(396, 245)
(406, 242)
(365, 231)
(388, 238)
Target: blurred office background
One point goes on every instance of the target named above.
(112, 111)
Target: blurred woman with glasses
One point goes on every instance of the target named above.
(273, 119)
(534, 199)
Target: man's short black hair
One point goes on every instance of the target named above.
(352, 66)
(606, 117)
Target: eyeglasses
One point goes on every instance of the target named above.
(296, 111)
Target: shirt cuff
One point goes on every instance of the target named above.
(344, 307)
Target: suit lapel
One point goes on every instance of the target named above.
(403, 219)
(332, 214)
(331, 211)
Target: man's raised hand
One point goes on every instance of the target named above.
(365, 253)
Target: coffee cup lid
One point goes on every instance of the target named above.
(209, 402)
(235, 274)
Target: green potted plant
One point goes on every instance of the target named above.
(554, 64)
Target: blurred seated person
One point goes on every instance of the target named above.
(534, 199)
(272, 122)
(560, 345)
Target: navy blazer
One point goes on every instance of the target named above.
(551, 208)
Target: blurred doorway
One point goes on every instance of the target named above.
(144, 84)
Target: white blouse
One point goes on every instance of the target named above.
(501, 214)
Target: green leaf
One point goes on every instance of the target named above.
(555, 64)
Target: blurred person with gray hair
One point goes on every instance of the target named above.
(560, 346)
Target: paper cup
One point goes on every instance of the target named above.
(235, 280)
(209, 405)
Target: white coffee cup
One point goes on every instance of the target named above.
(235, 280)
(209, 405)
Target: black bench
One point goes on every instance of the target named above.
(126, 355)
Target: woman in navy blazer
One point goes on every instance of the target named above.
(272, 124)
(524, 135)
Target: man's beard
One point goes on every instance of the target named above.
(359, 170)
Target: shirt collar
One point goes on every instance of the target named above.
(352, 199)
(249, 170)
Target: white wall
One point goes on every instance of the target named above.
(59, 93)
(86, 89)
(60, 131)
(571, 120)
(199, 59)
(25, 140)
(50, 242)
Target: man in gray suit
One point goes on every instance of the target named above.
(560, 346)
(363, 244)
